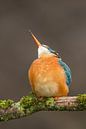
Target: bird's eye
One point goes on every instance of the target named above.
(58, 55)
(52, 51)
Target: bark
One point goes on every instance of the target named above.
(30, 104)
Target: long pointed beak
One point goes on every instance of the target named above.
(35, 39)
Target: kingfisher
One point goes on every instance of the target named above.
(49, 76)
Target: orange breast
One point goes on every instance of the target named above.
(47, 77)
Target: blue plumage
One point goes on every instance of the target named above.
(67, 72)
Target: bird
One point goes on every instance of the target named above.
(48, 75)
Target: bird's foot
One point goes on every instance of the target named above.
(40, 98)
(56, 98)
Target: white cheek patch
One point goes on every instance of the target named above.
(42, 50)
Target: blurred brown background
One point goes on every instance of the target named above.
(61, 24)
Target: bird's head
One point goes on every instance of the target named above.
(44, 49)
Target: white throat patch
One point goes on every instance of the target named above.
(42, 50)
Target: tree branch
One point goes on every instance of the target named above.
(30, 104)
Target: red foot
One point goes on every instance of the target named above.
(40, 98)
(56, 98)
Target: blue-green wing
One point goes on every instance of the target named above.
(67, 72)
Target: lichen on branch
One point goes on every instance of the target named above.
(31, 103)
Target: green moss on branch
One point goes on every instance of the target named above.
(81, 102)
(30, 104)
(6, 103)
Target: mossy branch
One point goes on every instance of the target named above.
(30, 104)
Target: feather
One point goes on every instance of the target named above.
(67, 71)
